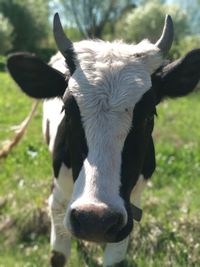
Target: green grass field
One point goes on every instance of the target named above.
(169, 234)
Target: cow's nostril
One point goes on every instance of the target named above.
(115, 226)
(75, 219)
(96, 224)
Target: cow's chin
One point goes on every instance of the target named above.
(125, 231)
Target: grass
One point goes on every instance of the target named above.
(169, 234)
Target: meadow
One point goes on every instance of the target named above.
(169, 234)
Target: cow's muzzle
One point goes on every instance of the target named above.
(96, 223)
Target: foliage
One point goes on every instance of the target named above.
(147, 20)
(192, 8)
(29, 20)
(5, 35)
(25, 23)
(91, 16)
(73, 33)
(184, 45)
(2, 63)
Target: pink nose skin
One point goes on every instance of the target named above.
(96, 223)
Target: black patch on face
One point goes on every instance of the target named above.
(138, 146)
(138, 155)
(149, 164)
(70, 144)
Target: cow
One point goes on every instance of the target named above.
(99, 106)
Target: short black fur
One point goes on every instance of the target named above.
(138, 146)
(70, 144)
(177, 78)
(36, 78)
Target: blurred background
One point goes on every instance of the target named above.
(169, 234)
(27, 25)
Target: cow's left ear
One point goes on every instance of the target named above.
(34, 77)
(178, 78)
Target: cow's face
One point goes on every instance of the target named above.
(109, 102)
(108, 81)
(100, 102)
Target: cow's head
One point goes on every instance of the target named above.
(110, 92)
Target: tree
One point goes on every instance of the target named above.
(147, 21)
(91, 16)
(184, 45)
(29, 20)
(5, 35)
(192, 8)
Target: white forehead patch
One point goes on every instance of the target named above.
(113, 76)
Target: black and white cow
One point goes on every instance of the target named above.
(99, 108)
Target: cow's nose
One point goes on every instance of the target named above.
(96, 223)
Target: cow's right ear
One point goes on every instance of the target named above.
(36, 78)
(178, 78)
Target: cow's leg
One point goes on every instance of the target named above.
(116, 252)
(60, 241)
(60, 238)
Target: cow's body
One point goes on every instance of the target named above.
(98, 122)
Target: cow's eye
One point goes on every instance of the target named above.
(63, 109)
